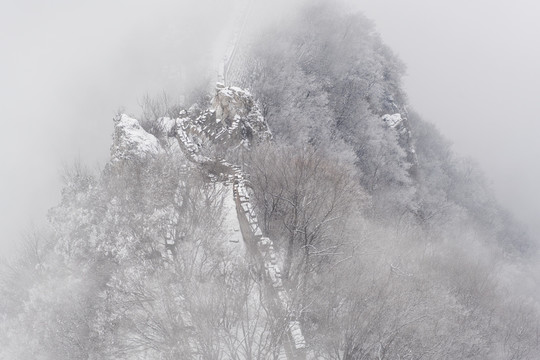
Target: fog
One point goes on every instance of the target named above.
(472, 70)
(68, 67)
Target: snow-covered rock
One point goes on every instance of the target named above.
(233, 120)
(130, 140)
(236, 110)
(392, 120)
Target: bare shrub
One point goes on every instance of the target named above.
(155, 108)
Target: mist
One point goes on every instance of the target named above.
(69, 67)
(472, 71)
(300, 211)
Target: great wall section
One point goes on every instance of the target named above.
(232, 126)
(233, 121)
(230, 67)
(236, 121)
(220, 126)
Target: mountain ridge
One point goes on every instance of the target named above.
(379, 243)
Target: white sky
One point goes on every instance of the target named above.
(67, 66)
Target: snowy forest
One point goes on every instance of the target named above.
(299, 209)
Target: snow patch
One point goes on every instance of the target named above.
(392, 120)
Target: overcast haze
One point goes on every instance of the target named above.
(473, 71)
(66, 68)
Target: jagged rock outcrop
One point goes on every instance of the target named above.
(236, 109)
(131, 141)
(234, 120)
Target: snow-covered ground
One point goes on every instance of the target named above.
(231, 227)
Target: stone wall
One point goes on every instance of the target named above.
(264, 251)
(191, 135)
